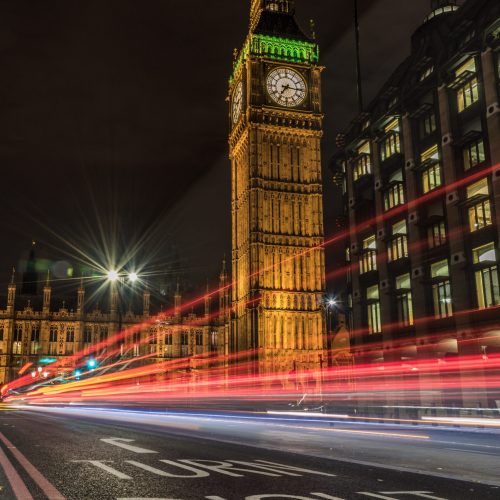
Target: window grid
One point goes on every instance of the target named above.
(398, 248)
(374, 323)
(390, 146)
(442, 299)
(362, 166)
(431, 178)
(487, 287)
(474, 154)
(480, 216)
(394, 196)
(437, 235)
(467, 94)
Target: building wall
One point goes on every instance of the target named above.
(28, 335)
(424, 235)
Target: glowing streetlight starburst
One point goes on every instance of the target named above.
(133, 277)
(112, 275)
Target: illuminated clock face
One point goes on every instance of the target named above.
(286, 87)
(237, 102)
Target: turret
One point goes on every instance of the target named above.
(146, 301)
(207, 303)
(224, 291)
(278, 6)
(11, 292)
(47, 292)
(114, 298)
(177, 301)
(81, 298)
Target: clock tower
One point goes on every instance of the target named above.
(277, 200)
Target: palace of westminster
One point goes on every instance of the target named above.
(434, 122)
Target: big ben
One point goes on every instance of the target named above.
(277, 199)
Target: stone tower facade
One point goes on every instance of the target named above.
(277, 201)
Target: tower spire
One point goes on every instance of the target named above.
(276, 6)
(13, 277)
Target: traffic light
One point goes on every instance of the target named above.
(91, 363)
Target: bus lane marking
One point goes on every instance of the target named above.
(121, 443)
(158, 472)
(382, 494)
(107, 468)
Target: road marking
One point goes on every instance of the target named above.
(225, 468)
(101, 465)
(16, 483)
(324, 495)
(290, 467)
(48, 488)
(121, 442)
(158, 472)
(265, 467)
(420, 494)
(374, 495)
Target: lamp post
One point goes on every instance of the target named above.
(117, 278)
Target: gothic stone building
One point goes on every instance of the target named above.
(277, 205)
(28, 334)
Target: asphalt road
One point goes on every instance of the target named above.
(93, 454)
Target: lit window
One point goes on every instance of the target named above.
(427, 124)
(467, 92)
(398, 246)
(486, 276)
(436, 235)
(373, 309)
(395, 194)
(362, 163)
(368, 261)
(404, 300)
(480, 210)
(441, 289)
(391, 144)
(431, 178)
(474, 154)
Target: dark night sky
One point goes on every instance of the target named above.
(113, 121)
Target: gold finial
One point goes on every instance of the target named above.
(235, 54)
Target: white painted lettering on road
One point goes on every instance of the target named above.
(282, 467)
(222, 468)
(277, 495)
(159, 472)
(101, 465)
(324, 495)
(121, 443)
(382, 494)
(420, 494)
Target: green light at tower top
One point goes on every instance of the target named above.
(277, 48)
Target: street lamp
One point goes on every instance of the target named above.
(112, 275)
(133, 277)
